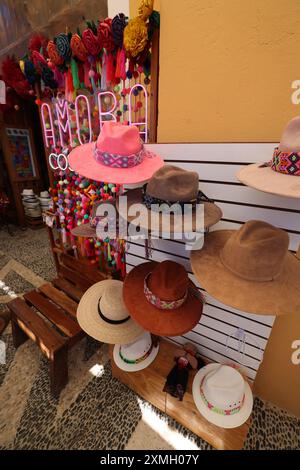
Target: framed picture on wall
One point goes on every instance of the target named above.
(19, 153)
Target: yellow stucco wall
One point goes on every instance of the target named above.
(226, 69)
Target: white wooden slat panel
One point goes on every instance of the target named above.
(285, 220)
(176, 248)
(213, 172)
(233, 152)
(205, 332)
(249, 325)
(247, 195)
(211, 355)
(157, 256)
(213, 323)
(215, 347)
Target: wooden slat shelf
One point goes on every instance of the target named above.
(149, 383)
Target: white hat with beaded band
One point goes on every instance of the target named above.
(136, 356)
(222, 395)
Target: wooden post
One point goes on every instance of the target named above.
(154, 87)
(46, 150)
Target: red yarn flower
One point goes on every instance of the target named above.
(13, 77)
(90, 42)
(105, 36)
(78, 48)
(38, 42)
(39, 61)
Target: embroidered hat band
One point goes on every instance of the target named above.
(113, 160)
(136, 361)
(215, 409)
(286, 162)
(162, 304)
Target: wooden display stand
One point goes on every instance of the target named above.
(149, 383)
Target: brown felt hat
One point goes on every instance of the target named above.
(170, 185)
(276, 176)
(250, 269)
(162, 299)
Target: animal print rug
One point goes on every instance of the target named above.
(94, 411)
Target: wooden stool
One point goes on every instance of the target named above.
(47, 315)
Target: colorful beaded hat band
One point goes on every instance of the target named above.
(113, 160)
(217, 410)
(136, 361)
(159, 303)
(287, 163)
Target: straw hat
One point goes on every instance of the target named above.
(278, 176)
(44, 195)
(222, 395)
(171, 185)
(118, 156)
(101, 313)
(250, 269)
(136, 356)
(162, 299)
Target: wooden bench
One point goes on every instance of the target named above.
(47, 315)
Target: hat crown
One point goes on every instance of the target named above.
(224, 387)
(138, 348)
(290, 139)
(172, 183)
(118, 139)
(168, 281)
(256, 251)
(28, 192)
(112, 304)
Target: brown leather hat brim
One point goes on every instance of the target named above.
(85, 231)
(159, 322)
(212, 214)
(269, 181)
(277, 297)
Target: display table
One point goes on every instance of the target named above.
(149, 383)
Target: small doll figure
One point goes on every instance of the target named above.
(186, 359)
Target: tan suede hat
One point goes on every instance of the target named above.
(278, 175)
(171, 185)
(250, 269)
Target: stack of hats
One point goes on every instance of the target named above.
(156, 299)
(103, 315)
(45, 200)
(31, 204)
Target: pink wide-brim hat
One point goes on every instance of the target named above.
(118, 156)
